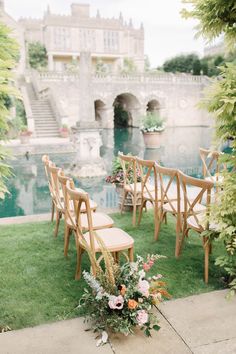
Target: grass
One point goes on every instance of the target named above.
(37, 282)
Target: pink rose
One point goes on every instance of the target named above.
(146, 267)
(143, 287)
(151, 262)
(116, 302)
(142, 317)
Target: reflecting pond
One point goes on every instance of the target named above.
(29, 191)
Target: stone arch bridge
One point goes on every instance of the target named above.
(85, 99)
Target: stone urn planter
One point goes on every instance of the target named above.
(128, 206)
(24, 136)
(152, 129)
(152, 140)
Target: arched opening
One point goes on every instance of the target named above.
(125, 106)
(99, 107)
(153, 106)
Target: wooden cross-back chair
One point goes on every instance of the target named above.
(114, 239)
(170, 199)
(149, 191)
(46, 161)
(131, 186)
(193, 219)
(100, 220)
(211, 165)
(57, 194)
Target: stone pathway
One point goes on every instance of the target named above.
(199, 324)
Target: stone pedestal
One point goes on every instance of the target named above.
(88, 163)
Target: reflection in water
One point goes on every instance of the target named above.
(29, 190)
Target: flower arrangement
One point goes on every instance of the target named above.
(122, 297)
(152, 122)
(64, 131)
(117, 175)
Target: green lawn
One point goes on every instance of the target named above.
(37, 282)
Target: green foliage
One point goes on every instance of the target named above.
(215, 17)
(152, 122)
(180, 63)
(221, 101)
(129, 66)
(192, 64)
(101, 67)
(121, 116)
(37, 55)
(8, 56)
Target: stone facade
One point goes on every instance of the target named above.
(108, 40)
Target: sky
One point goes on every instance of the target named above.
(166, 33)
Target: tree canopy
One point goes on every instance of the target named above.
(215, 17)
(37, 55)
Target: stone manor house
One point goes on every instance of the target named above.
(84, 97)
(65, 36)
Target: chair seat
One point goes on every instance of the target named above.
(99, 221)
(198, 208)
(196, 224)
(114, 239)
(130, 187)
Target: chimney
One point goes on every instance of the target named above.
(80, 10)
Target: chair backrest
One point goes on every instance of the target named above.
(169, 186)
(148, 175)
(46, 161)
(62, 181)
(53, 174)
(129, 167)
(202, 194)
(76, 198)
(210, 162)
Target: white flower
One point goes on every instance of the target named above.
(91, 281)
(143, 287)
(116, 302)
(103, 339)
(142, 274)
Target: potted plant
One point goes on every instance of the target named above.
(25, 135)
(64, 131)
(152, 128)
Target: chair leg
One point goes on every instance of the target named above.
(58, 217)
(141, 211)
(134, 201)
(131, 254)
(178, 239)
(79, 260)
(207, 247)
(123, 201)
(66, 239)
(157, 225)
(53, 210)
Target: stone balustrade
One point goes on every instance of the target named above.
(116, 78)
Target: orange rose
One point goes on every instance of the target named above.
(132, 304)
(123, 289)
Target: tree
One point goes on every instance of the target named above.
(197, 67)
(180, 63)
(129, 66)
(37, 55)
(218, 17)
(215, 17)
(8, 57)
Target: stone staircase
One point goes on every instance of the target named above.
(45, 123)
